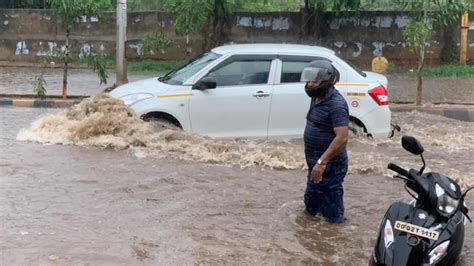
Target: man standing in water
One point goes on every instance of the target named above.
(325, 139)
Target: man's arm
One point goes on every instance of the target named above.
(336, 146)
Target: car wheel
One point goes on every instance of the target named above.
(357, 130)
(162, 123)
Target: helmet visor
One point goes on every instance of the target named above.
(315, 73)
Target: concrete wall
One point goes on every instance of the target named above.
(356, 37)
(26, 35)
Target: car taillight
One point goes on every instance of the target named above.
(380, 95)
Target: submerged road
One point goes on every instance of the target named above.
(77, 205)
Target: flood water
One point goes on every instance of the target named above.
(95, 185)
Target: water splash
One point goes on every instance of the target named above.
(103, 121)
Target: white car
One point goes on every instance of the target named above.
(254, 91)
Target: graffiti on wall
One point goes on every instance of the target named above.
(138, 48)
(21, 48)
(86, 50)
(376, 48)
(49, 51)
(358, 52)
(92, 19)
(274, 23)
(355, 47)
(399, 21)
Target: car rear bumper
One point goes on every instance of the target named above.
(378, 122)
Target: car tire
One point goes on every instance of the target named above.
(357, 130)
(162, 123)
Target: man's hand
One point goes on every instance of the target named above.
(317, 172)
(336, 146)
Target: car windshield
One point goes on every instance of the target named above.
(362, 73)
(178, 76)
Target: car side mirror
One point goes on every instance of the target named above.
(205, 84)
(412, 145)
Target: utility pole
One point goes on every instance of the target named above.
(121, 64)
(463, 42)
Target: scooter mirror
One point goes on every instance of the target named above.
(412, 145)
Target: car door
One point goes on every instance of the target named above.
(239, 106)
(290, 103)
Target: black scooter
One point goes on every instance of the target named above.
(428, 231)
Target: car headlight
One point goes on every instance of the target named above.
(446, 205)
(133, 98)
(388, 234)
(438, 252)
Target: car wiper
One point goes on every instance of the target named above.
(167, 75)
(164, 78)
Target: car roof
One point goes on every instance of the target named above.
(272, 48)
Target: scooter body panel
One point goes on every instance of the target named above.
(410, 249)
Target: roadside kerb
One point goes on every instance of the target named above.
(32, 102)
(464, 113)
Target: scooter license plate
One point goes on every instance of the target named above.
(416, 230)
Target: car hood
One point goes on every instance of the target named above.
(372, 76)
(152, 86)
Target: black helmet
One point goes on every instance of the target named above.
(320, 70)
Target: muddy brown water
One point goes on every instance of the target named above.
(78, 189)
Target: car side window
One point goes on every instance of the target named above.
(293, 67)
(242, 72)
(291, 71)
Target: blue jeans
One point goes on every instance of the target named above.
(326, 197)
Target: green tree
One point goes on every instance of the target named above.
(71, 13)
(193, 15)
(426, 16)
(39, 85)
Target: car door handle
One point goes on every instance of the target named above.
(261, 94)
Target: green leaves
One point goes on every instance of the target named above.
(335, 5)
(156, 42)
(58, 55)
(191, 15)
(72, 11)
(417, 34)
(441, 12)
(447, 13)
(98, 64)
(427, 14)
(39, 86)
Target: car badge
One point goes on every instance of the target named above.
(452, 186)
(422, 216)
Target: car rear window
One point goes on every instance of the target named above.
(358, 70)
(292, 68)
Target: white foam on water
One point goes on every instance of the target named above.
(103, 121)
